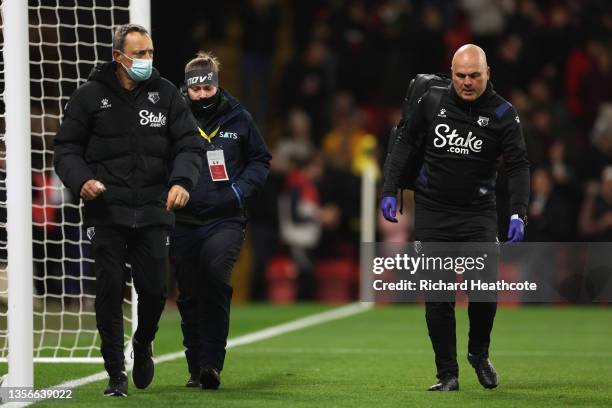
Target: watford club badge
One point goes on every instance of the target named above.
(483, 121)
(153, 97)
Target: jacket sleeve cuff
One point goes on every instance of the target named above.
(183, 183)
(76, 189)
(519, 210)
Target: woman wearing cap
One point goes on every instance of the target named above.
(210, 229)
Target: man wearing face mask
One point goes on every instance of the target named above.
(210, 229)
(129, 147)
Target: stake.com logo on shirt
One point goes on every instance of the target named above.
(453, 143)
(152, 119)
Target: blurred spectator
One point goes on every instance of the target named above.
(596, 212)
(599, 153)
(588, 80)
(340, 189)
(308, 84)
(577, 66)
(548, 209)
(347, 145)
(506, 66)
(562, 172)
(299, 209)
(298, 144)
(202, 26)
(392, 119)
(428, 32)
(595, 87)
(304, 15)
(260, 22)
(527, 21)
(558, 41)
(359, 49)
(264, 230)
(48, 239)
(458, 34)
(289, 151)
(539, 133)
(487, 18)
(393, 72)
(521, 102)
(541, 93)
(347, 150)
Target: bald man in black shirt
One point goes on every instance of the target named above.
(463, 136)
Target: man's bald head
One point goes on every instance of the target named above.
(470, 72)
(468, 54)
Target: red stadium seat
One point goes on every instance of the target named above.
(336, 280)
(281, 277)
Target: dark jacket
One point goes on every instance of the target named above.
(247, 161)
(126, 139)
(462, 143)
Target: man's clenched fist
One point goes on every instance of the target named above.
(92, 189)
(177, 198)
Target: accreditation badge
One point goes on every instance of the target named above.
(216, 165)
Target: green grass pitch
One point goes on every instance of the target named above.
(546, 356)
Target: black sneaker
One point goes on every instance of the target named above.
(487, 376)
(144, 369)
(446, 383)
(210, 379)
(117, 386)
(193, 381)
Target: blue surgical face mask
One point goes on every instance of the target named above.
(141, 68)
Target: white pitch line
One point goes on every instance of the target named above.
(373, 351)
(309, 321)
(319, 318)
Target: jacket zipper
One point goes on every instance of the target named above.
(133, 143)
(467, 124)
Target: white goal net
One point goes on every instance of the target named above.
(66, 39)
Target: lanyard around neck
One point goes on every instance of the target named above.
(207, 137)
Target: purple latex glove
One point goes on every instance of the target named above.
(388, 206)
(516, 229)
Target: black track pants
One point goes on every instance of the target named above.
(203, 269)
(440, 227)
(146, 250)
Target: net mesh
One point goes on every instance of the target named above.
(67, 39)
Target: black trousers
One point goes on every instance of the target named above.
(204, 258)
(440, 318)
(438, 226)
(146, 250)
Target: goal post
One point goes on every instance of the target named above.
(18, 192)
(367, 224)
(140, 13)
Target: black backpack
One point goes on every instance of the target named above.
(417, 88)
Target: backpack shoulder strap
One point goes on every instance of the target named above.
(433, 101)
